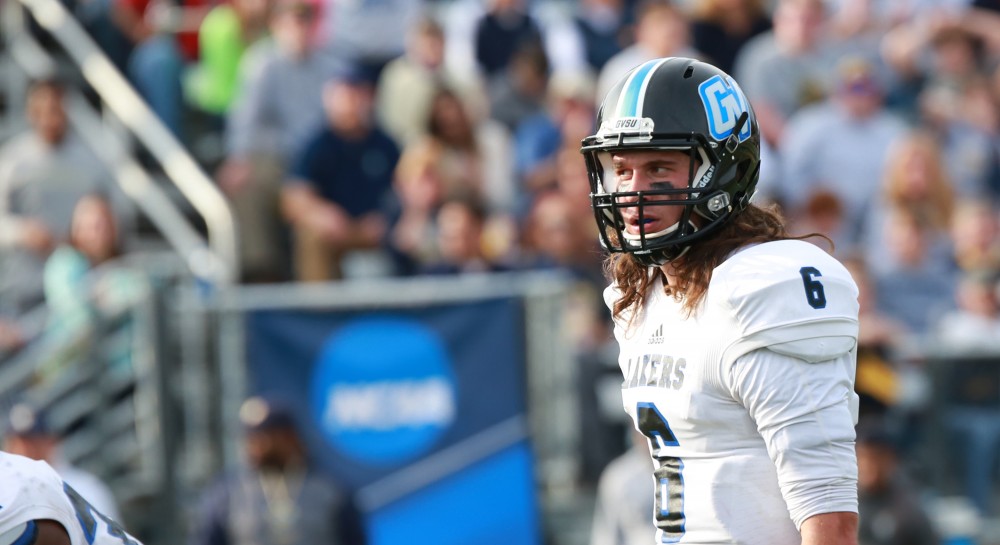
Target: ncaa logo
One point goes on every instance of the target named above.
(724, 103)
(383, 391)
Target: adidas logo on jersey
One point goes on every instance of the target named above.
(657, 336)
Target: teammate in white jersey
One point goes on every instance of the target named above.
(737, 340)
(37, 508)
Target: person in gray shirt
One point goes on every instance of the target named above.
(44, 171)
(280, 105)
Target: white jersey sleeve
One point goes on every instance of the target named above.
(32, 490)
(803, 411)
(789, 358)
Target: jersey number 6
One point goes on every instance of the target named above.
(669, 508)
(815, 295)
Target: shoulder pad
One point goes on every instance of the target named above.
(789, 296)
(814, 350)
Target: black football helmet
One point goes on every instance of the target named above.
(674, 104)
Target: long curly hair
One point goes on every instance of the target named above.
(752, 225)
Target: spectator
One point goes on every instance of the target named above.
(914, 288)
(787, 68)
(519, 92)
(554, 240)
(460, 225)
(856, 30)
(227, 31)
(419, 190)
(84, 279)
(407, 86)
(975, 235)
(539, 138)
(840, 145)
(503, 30)
(280, 107)
(720, 28)
(824, 213)
(573, 191)
(29, 434)
(956, 104)
(476, 156)
(164, 38)
(914, 178)
(282, 96)
(369, 33)
(342, 180)
(603, 30)
(43, 173)
(889, 508)
(278, 498)
(661, 31)
(975, 324)
(572, 182)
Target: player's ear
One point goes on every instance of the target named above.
(51, 532)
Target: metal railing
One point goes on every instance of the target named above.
(98, 363)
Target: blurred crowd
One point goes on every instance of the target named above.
(404, 137)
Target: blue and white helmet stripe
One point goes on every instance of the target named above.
(633, 94)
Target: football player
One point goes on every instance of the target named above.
(37, 508)
(737, 340)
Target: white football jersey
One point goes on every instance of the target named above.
(748, 404)
(32, 490)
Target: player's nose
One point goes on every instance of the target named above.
(638, 183)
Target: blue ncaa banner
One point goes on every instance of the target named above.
(420, 411)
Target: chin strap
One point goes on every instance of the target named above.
(734, 137)
(662, 256)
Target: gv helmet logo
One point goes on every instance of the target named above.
(724, 103)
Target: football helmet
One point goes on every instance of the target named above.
(673, 104)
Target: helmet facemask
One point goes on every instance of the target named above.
(704, 207)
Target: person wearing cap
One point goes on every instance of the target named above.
(277, 107)
(840, 145)
(276, 498)
(340, 181)
(29, 434)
